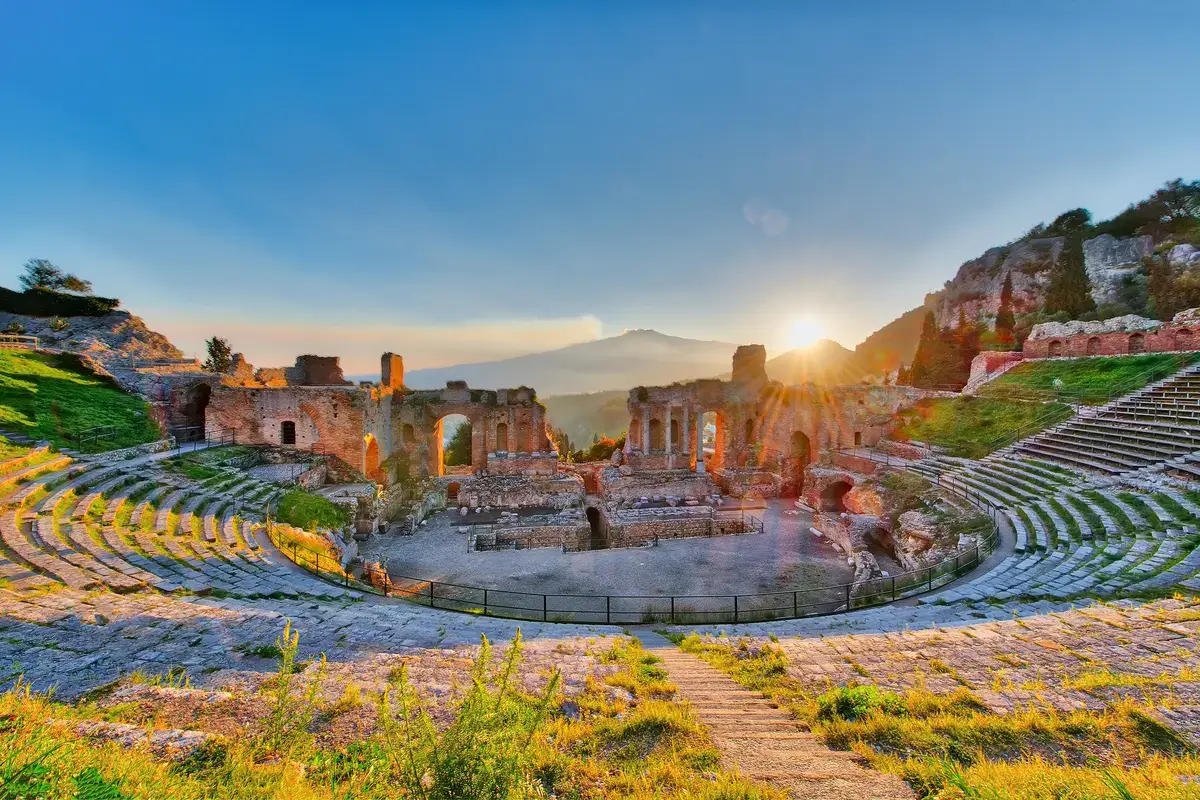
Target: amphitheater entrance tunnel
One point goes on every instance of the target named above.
(598, 528)
(833, 496)
(193, 411)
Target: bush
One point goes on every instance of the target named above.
(48, 303)
(304, 510)
(854, 702)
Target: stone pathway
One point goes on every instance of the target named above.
(765, 743)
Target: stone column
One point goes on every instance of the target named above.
(687, 446)
(646, 430)
(667, 429)
(700, 442)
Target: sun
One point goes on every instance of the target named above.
(803, 333)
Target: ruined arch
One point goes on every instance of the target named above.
(713, 450)
(1093, 346)
(749, 432)
(798, 458)
(195, 404)
(1137, 343)
(676, 436)
(444, 435)
(287, 432)
(371, 467)
(597, 529)
(833, 496)
(452, 489)
(1056, 348)
(501, 437)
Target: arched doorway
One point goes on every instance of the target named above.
(833, 496)
(1093, 346)
(676, 441)
(501, 437)
(1137, 343)
(194, 406)
(371, 459)
(793, 466)
(453, 435)
(1056, 348)
(287, 432)
(598, 529)
(452, 489)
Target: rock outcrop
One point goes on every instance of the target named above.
(112, 340)
(1129, 323)
(1109, 261)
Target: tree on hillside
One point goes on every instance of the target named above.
(42, 274)
(926, 350)
(1070, 290)
(220, 355)
(458, 451)
(1005, 320)
(966, 340)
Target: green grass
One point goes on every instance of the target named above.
(1089, 380)
(972, 427)
(948, 746)
(499, 740)
(53, 397)
(305, 509)
(1093, 519)
(1114, 512)
(1147, 514)
(8, 450)
(1170, 504)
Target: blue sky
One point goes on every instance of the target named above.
(463, 181)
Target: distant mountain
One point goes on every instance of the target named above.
(582, 415)
(895, 343)
(635, 358)
(824, 361)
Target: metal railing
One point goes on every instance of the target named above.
(98, 433)
(16, 341)
(197, 437)
(634, 609)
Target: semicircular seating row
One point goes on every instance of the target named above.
(124, 529)
(1074, 540)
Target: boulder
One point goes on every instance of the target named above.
(1183, 256)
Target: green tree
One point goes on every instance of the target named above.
(1005, 320)
(220, 355)
(927, 348)
(42, 274)
(1160, 285)
(458, 451)
(1070, 290)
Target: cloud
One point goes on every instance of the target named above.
(770, 220)
(272, 341)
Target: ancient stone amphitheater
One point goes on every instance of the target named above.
(112, 568)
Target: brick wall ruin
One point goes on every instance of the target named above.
(765, 433)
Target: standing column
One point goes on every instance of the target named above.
(687, 445)
(667, 429)
(700, 442)
(646, 430)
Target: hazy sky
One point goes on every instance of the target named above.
(459, 181)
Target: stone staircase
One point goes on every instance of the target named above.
(1074, 538)
(1157, 424)
(128, 528)
(765, 743)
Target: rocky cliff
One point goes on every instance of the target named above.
(112, 340)
(976, 287)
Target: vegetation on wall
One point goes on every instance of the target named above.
(55, 397)
(1070, 290)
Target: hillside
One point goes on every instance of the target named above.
(55, 397)
(582, 415)
(635, 358)
(824, 362)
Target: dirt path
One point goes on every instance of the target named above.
(765, 743)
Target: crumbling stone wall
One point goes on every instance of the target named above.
(1127, 335)
(766, 433)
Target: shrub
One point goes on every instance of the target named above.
(854, 702)
(49, 303)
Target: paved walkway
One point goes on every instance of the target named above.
(765, 743)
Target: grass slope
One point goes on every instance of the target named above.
(974, 426)
(305, 509)
(54, 397)
(1090, 380)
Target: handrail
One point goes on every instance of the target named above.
(619, 609)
